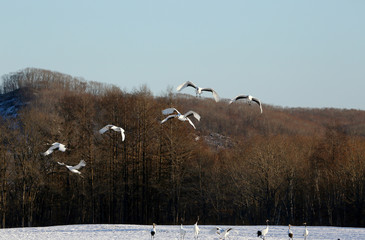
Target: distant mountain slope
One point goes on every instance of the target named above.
(238, 119)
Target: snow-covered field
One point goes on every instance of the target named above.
(136, 232)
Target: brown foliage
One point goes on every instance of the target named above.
(238, 167)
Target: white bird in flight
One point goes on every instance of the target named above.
(249, 99)
(55, 146)
(198, 90)
(74, 169)
(223, 233)
(180, 116)
(115, 128)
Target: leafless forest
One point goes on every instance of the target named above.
(238, 167)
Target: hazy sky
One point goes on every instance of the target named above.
(287, 53)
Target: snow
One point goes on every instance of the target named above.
(9, 106)
(164, 232)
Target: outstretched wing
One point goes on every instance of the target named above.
(168, 118)
(168, 111)
(55, 146)
(196, 115)
(81, 164)
(186, 84)
(119, 129)
(215, 94)
(192, 124)
(237, 98)
(49, 151)
(215, 230)
(258, 102)
(106, 128)
(122, 132)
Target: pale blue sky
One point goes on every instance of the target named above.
(287, 53)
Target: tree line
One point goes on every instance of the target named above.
(238, 167)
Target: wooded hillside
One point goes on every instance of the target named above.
(238, 167)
